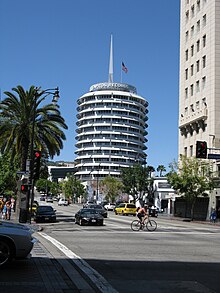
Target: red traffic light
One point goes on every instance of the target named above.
(24, 188)
(37, 154)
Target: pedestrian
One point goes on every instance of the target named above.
(213, 216)
(8, 210)
(4, 210)
(13, 204)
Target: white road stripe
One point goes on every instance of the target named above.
(94, 276)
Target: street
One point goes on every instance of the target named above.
(179, 256)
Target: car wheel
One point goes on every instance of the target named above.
(116, 213)
(81, 222)
(6, 252)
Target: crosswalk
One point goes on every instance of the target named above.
(123, 225)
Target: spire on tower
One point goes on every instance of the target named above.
(110, 74)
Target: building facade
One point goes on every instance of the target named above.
(199, 89)
(111, 130)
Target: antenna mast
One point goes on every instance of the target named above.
(110, 75)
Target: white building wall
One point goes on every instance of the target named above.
(199, 111)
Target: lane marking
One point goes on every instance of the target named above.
(93, 275)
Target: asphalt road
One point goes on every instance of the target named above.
(178, 257)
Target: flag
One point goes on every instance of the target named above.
(124, 68)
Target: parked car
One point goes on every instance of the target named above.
(99, 209)
(49, 199)
(45, 214)
(88, 216)
(42, 198)
(16, 242)
(109, 206)
(88, 203)
(153, 211)
(126, 209)
(63, 202)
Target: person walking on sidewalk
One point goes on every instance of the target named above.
(8, 210)
(4, 211)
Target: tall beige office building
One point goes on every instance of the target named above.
(199, 92)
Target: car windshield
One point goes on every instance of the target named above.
(95, 206)
(88, 212)
(42, 209)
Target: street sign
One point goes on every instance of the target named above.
(214, 156)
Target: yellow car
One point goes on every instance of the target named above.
(126, 209)
(34, 207)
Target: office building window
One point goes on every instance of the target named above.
(187, 55)
(192, 108)
(187, 16)
(186, 73)
(197, 105)
(191, 150)
(198, 26)
(197, 86)
(197, 66)
(192, 11)
(204, 41)
(187, 1)
(203, 82)
(198, 5)
(187, 36)
(204, 20)
(204, 61)
(192, 31)
(186, 111)
(204, 102)
(185, 151)
(198, 45)
(192, 69)
(192, 50)
(191, 90)
(186, 93)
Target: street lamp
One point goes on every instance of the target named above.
(38, 93)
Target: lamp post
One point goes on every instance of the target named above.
(97, 184)
(38, 93)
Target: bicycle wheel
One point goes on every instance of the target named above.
(151, 225)
(136, 225)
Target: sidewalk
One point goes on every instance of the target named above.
(47, 270)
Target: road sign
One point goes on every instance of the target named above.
(214, 156)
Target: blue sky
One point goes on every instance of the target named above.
(65, 43)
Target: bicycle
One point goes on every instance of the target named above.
(149, 224)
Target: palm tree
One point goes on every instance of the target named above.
(150, 170)
(17, 113)
(161, 169)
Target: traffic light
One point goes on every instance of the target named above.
(24, 185)
(36, 164)
(24, 188)
(201, 149)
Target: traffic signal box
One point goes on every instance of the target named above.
(36, 164)
(201, 149)
(24, 185)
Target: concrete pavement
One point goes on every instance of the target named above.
(47, 270)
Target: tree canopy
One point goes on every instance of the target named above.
(18, 111)
(191, 179)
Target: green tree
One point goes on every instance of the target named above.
(150, 170)
(73, 188)
(111, 187)
(17, 113)
(161, 169)
(136, 181)
(8, 170)
(190, 179)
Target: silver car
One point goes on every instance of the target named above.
(16, 241)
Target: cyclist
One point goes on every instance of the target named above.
(142, 213)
